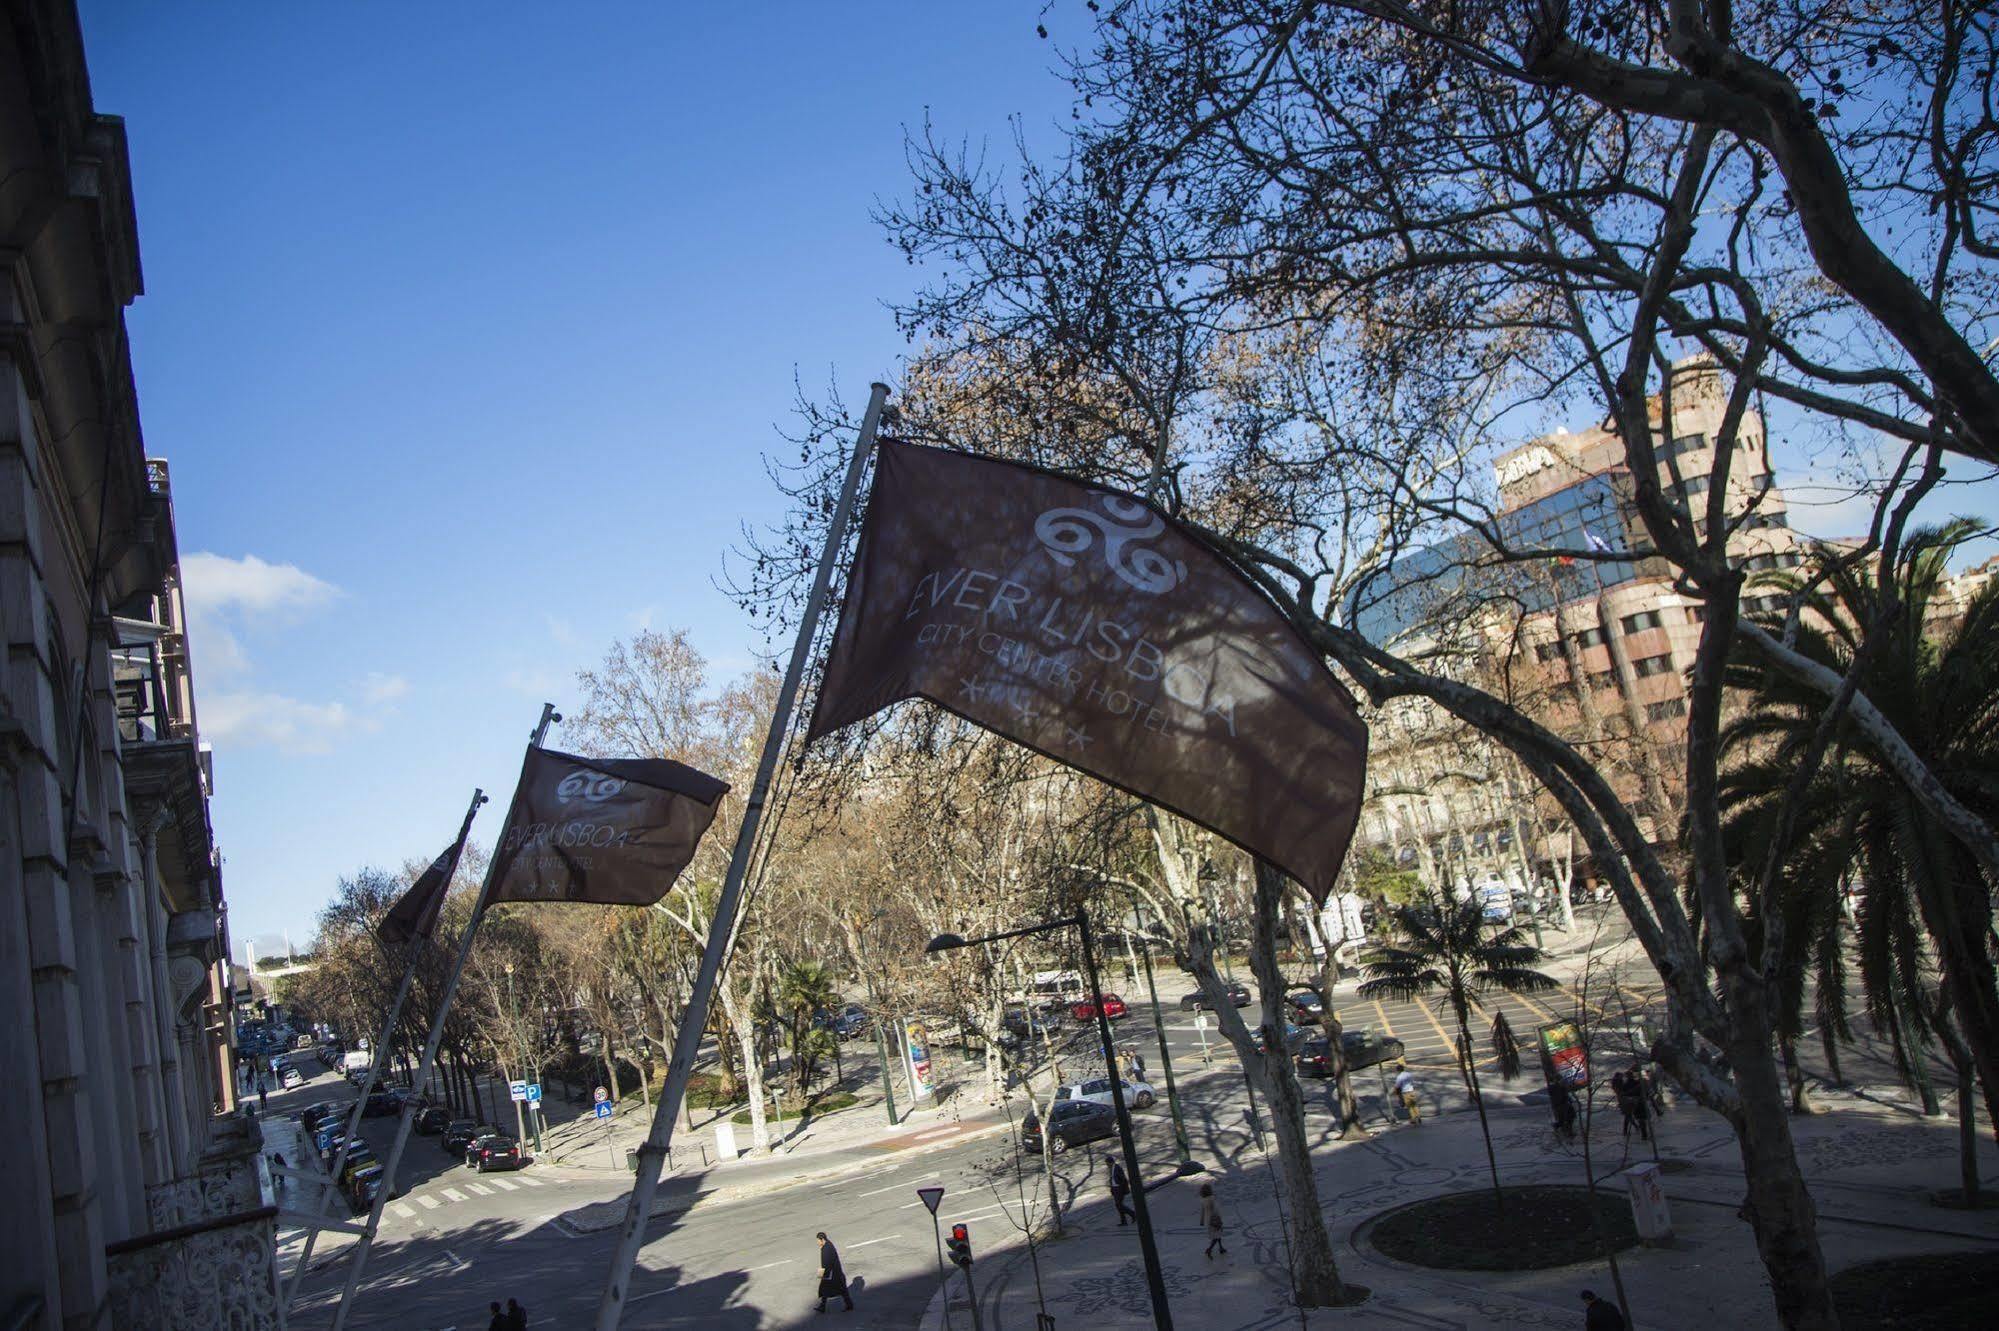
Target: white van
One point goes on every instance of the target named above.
(356, 1060)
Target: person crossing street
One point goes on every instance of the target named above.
(832, 1278)
(1405, 1091)
(1120, 1187)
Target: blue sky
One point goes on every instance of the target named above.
(465, 328)
(467, 325)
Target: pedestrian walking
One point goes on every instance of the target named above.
(1405, 1091)
(517, 1317)
(277, 1177)
(1120, 1189)
(262, 1097)
(1563, 1102)
(499, 1322)
(832, 1279)
(1655, 1094)
(1138, 1067)
(1630, 1093)
(1600, 1315)
(1211, 1220)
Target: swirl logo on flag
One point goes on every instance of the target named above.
(1068, 532)
(594, 787)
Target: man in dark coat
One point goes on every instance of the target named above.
(1600, 1314)
(832, 1280)
(1120, 1189)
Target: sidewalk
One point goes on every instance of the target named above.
(1871, 1169)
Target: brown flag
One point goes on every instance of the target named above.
(415, 913)
(1086, 624)
(611, 831)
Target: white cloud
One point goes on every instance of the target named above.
(217, 584)
(223, 594)
(291, 724)
(379, 688)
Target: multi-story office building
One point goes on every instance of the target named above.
(133, 1184)
(1598, 649)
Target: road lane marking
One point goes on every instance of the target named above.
(505, 1186)
(482, 1191)
(865, 1242)
(428, 1202)
(788, 1261)
(893, 1186)
(454, 1194)
(406, 1212)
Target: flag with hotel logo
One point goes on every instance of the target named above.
(1090, 626)
(610, 831)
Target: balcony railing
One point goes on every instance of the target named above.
(139, 685)
(210, 1259)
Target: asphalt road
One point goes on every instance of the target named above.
(734, 1248)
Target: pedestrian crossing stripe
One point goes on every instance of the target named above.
(505, 1186)
(428, 1203)
(406, 1212)
(454, 1194)
(532, 1182)
(483, 1192)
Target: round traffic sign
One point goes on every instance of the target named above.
(600, 1095)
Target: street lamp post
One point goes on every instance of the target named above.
(514, 1015)
(1155, 1280)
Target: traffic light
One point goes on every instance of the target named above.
(960, 1244)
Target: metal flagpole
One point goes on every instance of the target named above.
(413, 949)
(403, 1121)
(687, 1040)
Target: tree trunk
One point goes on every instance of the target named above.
(1346, 1102)
(1478, 1102)
(753, 1073)
(1317, 1273)
(1967, 1111)
(1829, 1043)
(1779, 1206)
(1794, 1077)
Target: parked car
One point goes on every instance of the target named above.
(382, 1102)
(1085, 1009)
(1294, 1036)
(290, 1077)
(1363, 1049)
(1304, 1006)
(1196, 1001)
(461, 1133)
(494, 1151)
(1137, 1094)
(433, 1120)
(1070, 1123)
(1018, 1026)
(362, 1186)
(847, 1023)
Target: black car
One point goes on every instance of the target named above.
(850, 1022)
(461, 1133)
(383, 1102)
(433, 1120)
(1363, 1049)
(1197, 1001)
(494, 1151)
(1305, 1006)
(1018, 1026)
(1071, 1123)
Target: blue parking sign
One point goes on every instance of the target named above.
(534, 1092)
(603, 1109)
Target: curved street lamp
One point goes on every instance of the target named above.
(1155, 1280)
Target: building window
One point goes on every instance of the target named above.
(1652, 665)
(1694, 485)
(1644, 619)
(1768, 519)
(1547, 651)
(1590, 638)
(1687, 443)
(1603, 679)
(1790, 559)
(1667, 710)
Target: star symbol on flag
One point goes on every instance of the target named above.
(1022, 714)
(971, 688)
(1076, 737)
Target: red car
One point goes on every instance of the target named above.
(1085, 1009)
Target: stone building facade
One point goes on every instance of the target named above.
(134, 1184)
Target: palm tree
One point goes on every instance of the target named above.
(804, 990)
(1922, 929)
(1453, 951)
